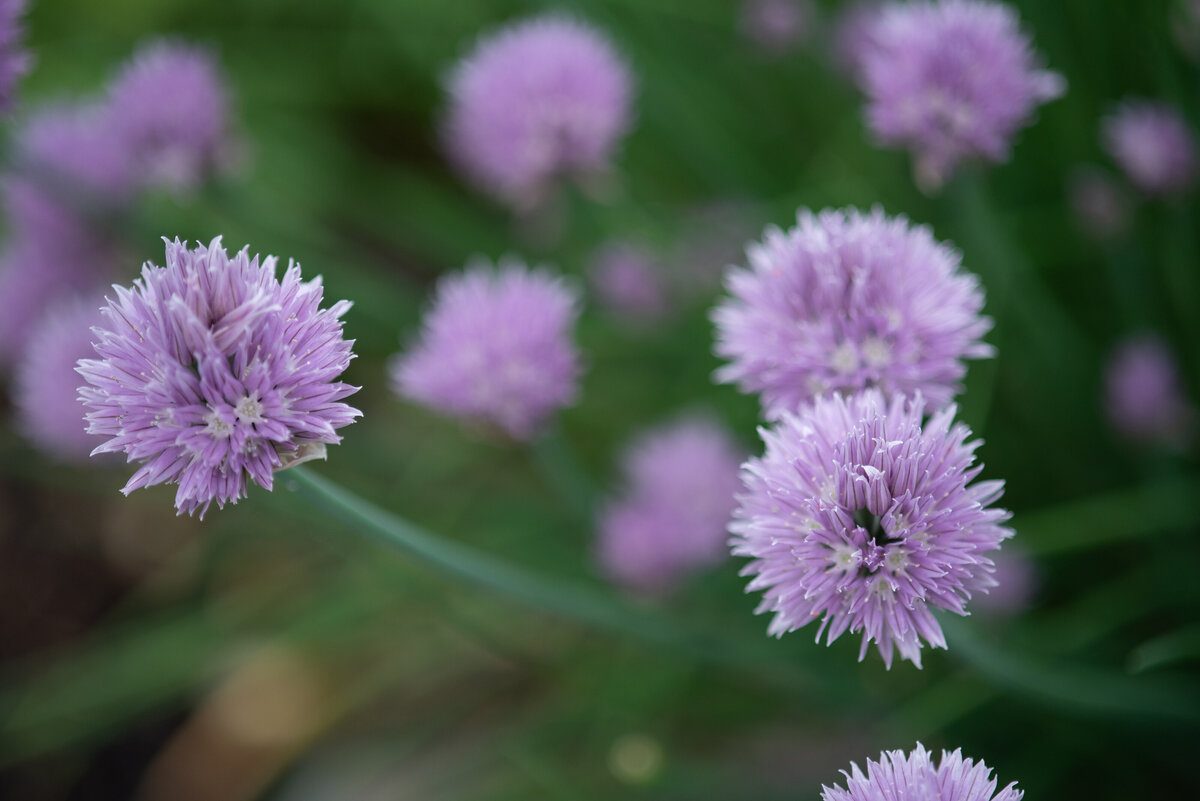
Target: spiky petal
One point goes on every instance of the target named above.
(862, 518)
(898, 776)
(213, 372)
(845, 301)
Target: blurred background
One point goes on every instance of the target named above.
(270, 652)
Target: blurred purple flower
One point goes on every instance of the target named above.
(846, 301)
(32, 277)
(170, 109)
(73, 171)
(14, 59)
(777, 25)
(852, 37)
(71, 177)
(495, 348)
(860, 516)
(45, 385)
(906, 777)
(952, 80)
(1153, 145)
(212, 371)
(680, 480)
(539, 98)
(628, 282)
(1099, 204)
(1144, 397)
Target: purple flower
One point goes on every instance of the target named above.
(680, 480)
(1100, 205)
(777, 25)
(33, 275)
(860, 516)
(72, 176)
(539, 98)
(907, 777)
(628, 282)
(171, 110)
(952, 80)
(212, 371)
(1153, 145)
(846, 301)
(495, 348)
(852, 36)
(14, 59)
(1144, 397)
(73, 172)
(45, 385)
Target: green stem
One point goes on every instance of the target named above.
(547, 594)
(562, 471)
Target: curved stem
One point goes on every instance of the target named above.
(548, 594)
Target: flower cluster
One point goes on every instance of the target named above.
(496, 348)
(680, 480)
(862, 517)
(846, 301)
(898, 776)
(951, 80)
(212, 371)
(544, 97)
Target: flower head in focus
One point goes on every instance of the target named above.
(680, 480)
(537, 99)
(170, 108)
(846, 301)
(211, 371)
(627, 281)
(952, 80)
(14, 59)
(862, 517)
(495, 348)
(45, 384)
(1144, 395)
(898, 776)
(1153, 145)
